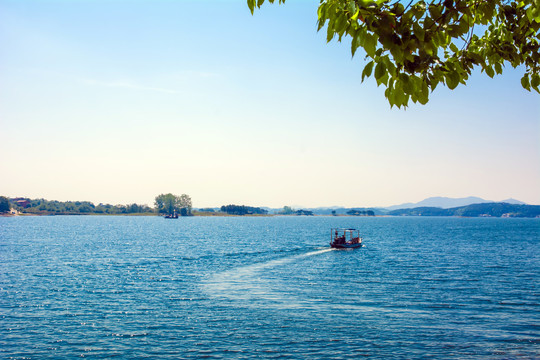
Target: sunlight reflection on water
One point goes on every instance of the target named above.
(126, 287)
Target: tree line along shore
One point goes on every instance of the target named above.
(164, 204)
(181, 205)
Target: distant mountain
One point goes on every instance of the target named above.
(514, 201)
(448, 203)
(501, 209)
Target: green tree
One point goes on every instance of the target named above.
(169, 203)
(413, 46)
(287, 210)
(159, 203)
(166, 203)
(4, 204)
(185, 205)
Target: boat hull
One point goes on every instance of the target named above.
(345, 246)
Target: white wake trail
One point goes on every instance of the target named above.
(246, 285)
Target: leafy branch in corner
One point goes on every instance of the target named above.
(411, 49)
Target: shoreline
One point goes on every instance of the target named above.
(7, 215)
(194, 215)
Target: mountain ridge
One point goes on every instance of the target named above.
(448, 203)
(495, 209)
(431, 202)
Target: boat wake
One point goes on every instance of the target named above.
(246, 285)
(255, 286)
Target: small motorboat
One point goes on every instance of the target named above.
(345, 238)
(174, 215)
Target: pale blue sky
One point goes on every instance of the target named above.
(118, 101)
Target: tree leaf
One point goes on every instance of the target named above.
(355, 16)
(452, 80)
(370, 44)
(535, 82)
(380, 70)
(341, 23)
(251, 5)
(330, 31)
(423, 96)
(489, 71)
(525, 82)
(368, 69)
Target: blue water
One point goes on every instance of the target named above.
(268, 287)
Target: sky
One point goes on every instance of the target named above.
(118, 101)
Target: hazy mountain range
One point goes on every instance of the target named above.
(437, 201)
(447, 203)
(432, 202)
(496, 209)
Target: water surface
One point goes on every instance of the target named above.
(270, 287)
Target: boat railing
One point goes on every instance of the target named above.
(345, 236)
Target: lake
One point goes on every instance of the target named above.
(268, 287)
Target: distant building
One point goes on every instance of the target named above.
(22, 202)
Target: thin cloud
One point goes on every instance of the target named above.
(128, 85)
(202, 74)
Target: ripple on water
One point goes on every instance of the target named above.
(105, 287)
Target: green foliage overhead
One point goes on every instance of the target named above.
(413, 46)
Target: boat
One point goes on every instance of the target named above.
(174, 215)
(345, 238)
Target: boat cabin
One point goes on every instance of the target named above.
(345, 238)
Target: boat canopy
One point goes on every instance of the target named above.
(347, 233)
(345, 237)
